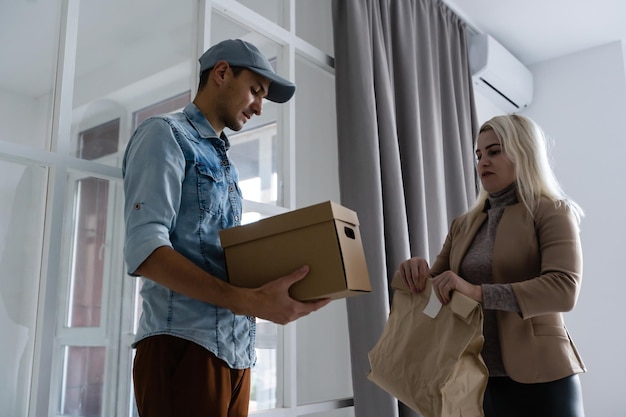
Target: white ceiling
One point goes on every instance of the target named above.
(538, 30)
(533, 30)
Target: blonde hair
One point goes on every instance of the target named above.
(525, 144)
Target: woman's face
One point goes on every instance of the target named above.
(495, 169)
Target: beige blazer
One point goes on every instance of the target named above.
(542, 259)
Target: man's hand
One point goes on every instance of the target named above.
(272, 301)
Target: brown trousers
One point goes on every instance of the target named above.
(174, 377)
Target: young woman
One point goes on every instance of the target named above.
(517, 251)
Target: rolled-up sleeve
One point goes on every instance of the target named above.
(153, 171)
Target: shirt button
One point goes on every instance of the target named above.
(236, 218)
(230, 188)
(224, 163)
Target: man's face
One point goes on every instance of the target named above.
(241, 98)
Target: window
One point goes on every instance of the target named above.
(66, 122)
(83, 345)
(22, 208)
(255, 155)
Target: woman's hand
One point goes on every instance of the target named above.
(445, 283)
(414, 272)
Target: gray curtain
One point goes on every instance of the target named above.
(406, 123)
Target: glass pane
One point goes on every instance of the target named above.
(83, 381)
(311, 15)
(317, 157)
(254, 153)
(169, 105)
(137, 302)
(30, 32)
(250, 217)
(263, 378)
(274, 10)
(257, 148)
(318, 358)
(22, 209)
(123, 66)
(99, 141)
(92, 207)
(132, 407)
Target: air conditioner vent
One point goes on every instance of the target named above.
(498, 75)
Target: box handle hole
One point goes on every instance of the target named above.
(349, 232)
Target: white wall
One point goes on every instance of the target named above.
(24, 119)
(324, 370)
(580, 100)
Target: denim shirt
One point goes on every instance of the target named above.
(180, 190)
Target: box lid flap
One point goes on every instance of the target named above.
(291, 220)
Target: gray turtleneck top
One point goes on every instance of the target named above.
(476, 269)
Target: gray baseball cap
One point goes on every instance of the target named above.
(240, 53)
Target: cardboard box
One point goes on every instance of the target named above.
(324, 236)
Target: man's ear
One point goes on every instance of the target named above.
(220, 71)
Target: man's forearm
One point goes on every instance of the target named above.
(169, 268)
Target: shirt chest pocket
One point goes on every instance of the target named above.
(212, 188)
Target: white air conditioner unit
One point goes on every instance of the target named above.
(498, 75)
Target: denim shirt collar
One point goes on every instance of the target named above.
(202, 125)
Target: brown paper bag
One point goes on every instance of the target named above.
(433, 365)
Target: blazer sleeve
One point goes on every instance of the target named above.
(557, 287)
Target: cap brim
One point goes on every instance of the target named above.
(280, 90)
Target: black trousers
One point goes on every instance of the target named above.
(507, 398)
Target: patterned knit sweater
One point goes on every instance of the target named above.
(476, 269)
